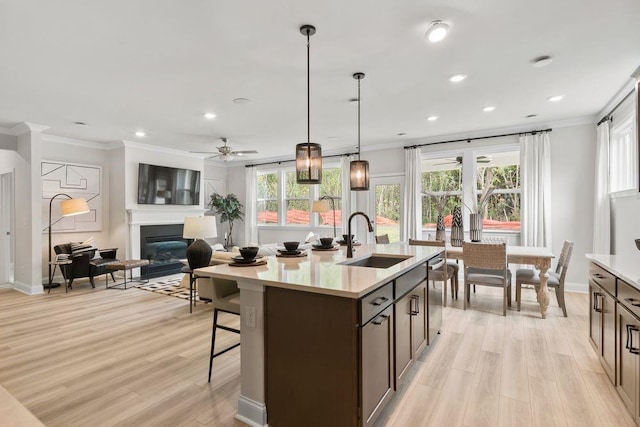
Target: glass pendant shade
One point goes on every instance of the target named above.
(359, 175)
(308, 163)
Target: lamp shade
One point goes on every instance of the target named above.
(320, 206)
(359, 175)
(199, 227)
(308, 163)
(74, 207)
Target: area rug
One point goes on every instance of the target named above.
(168, 287)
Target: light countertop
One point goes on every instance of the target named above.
(320, 271)
(626, 267)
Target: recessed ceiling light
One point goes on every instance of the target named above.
(209, 116)
(80, 124)
(488, 108)
(456, 78)
(437, 31)
(432, 118)
(530, 116)
(541, 61)
(555, 98)
(242, 101)
(141, 134)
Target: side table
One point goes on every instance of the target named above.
(55, 264)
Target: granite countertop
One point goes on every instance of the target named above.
(626, 267)
(321, 272)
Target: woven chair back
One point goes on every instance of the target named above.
(485, 255)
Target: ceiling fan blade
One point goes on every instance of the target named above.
(242, 152)
(445, 163)
(203, 152)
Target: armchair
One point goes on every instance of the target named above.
(82, 265)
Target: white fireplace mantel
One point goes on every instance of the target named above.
(168, 215)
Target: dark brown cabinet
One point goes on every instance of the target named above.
(628, 359)
(602, 318)
(377, 364)
(410, 329)
(333, 361)
(434, 293)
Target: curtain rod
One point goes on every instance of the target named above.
(532, 132)
(293, 160)
(609, 116)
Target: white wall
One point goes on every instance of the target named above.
(572, 186)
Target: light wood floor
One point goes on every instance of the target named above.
(133, 358)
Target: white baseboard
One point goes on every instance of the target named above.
(251, 412)
(582, 288)
(28, 289)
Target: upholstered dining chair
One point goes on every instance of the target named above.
(527, 276)
(383, 238)
(442, 274)
(226, 298)
(486, 264)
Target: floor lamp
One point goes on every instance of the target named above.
(322, 206)
(68, 207)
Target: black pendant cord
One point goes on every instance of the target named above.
(359, 119)
(308, 93)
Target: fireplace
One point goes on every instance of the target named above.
(164, 247)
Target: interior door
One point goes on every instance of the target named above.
(385, 203)
(6, 228)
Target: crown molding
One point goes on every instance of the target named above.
(160, 149)
(619, 96)
(25, 127)
(75, 142)
(554, 124)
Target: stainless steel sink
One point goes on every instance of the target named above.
(377, 261)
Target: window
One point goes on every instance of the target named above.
(445, 186)
(332, 186)
(296, 200)
(441, 188)
(281, 201)
(500, 171)
(622, 157)
(267, 203)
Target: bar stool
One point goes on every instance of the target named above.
(226, 298)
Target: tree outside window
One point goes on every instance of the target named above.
(332, 186)
(296, 200)
(267, 203)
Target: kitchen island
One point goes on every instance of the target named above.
(325, 339)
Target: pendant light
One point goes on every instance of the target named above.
(359, 169)
(308, 154)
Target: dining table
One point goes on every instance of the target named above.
(529, 255)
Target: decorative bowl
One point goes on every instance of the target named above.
(326, 241)
(249, 252)
(345, 238)
(291, 246)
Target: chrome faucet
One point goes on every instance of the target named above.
(350, 241)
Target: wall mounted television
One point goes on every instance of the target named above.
(161, 185)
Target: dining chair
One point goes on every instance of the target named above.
(442, 274)
(383, 238)
(527, 276)
(486, 264)
(226, 298)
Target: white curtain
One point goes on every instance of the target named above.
(250, 214)
(347, 194)
(601, 208)
(535, 164)
(412, 194)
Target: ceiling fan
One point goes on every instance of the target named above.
(225, 152)
(458, 160)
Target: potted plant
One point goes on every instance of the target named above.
(229, 209)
